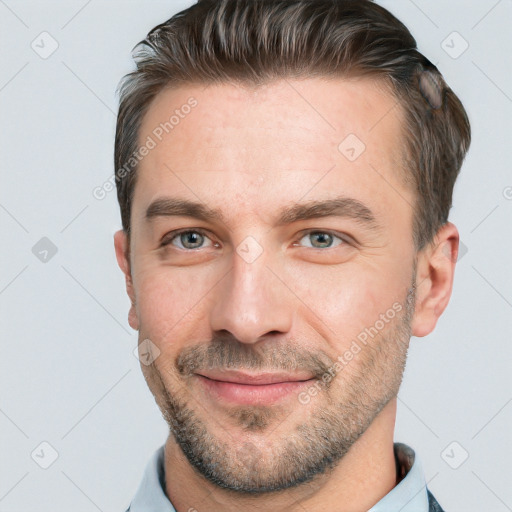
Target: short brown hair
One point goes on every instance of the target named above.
(253, 42)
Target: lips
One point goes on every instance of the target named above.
(259, 379)
(250, 388)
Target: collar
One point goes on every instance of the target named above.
(150, 496)
(410, 495)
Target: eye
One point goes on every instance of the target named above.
(322, 239)
(187, 239)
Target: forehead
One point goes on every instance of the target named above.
(271, 141)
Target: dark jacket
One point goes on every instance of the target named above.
(433, 506)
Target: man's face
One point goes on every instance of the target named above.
(252, 310)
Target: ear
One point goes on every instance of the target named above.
(434, 279)
(123, 260)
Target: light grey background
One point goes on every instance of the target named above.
(67, 369)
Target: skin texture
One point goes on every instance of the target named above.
(284, 300)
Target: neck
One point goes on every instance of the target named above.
(364, 476)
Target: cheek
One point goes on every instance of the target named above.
(359, 299)
(170, 301)
(342, 303)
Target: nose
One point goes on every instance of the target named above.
(252, 302)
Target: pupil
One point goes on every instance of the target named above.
(189, 237)
(324, 236)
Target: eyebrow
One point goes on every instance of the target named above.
(341, 206)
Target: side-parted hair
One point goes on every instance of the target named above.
(254, 42)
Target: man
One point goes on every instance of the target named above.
(285, 171)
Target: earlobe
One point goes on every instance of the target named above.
(122, 256)
(434, 279)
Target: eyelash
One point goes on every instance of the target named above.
(168, 239)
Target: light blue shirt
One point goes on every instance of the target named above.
(410, 495)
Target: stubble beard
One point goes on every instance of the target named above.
(338, 416)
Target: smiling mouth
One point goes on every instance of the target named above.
(251, 389)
